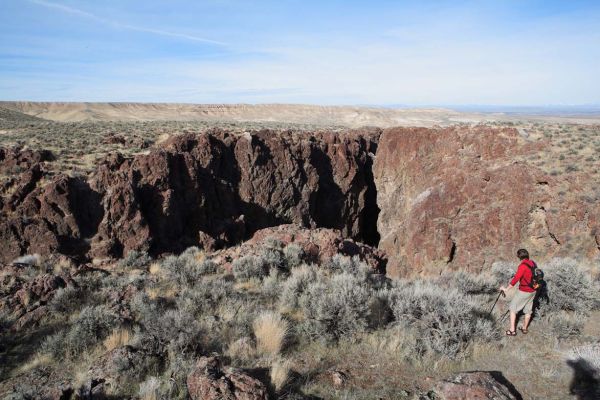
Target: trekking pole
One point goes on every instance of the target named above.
(504, 316)
(497, 298)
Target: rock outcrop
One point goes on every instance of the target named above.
(459, 198)
(476, 386)
(213, 189)
(466, 197)
(24, 298)
(318, 245)
(208, 381)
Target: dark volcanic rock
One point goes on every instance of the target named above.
(449, 198)
(209, 382)
(466, 197)
(476, 386)
(216, 189)
(213, 189)
(25, 301)
(318, 245)
(57, 217)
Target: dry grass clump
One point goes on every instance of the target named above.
(241, 349)
(38, 360)
(155, 268)
(270, 330)
(149, 389)
(280, 373)
(118, 337)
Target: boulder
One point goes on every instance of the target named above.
(476, 386)
(209, 382)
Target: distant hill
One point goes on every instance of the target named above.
(352, 116)
(12, 116)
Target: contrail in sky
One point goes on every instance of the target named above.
(85, 14)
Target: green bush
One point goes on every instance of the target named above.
(296, 285)
(294, 255)
(66, 300)
(471, 284)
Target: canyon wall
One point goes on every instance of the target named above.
(212, 189)
(463, 198)
(431, 199)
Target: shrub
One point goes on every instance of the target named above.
(445, 319)
(149, 389)
(271, 285)
(173, 332)
(270, 331)
(503, 271)
(564, 325)
(350, 265)
(335, 308)
(294, 255)
(569, 287)
(471, 284)
(135, 260)
(205, 296)
(189, 267)
(248, 267)
(91, 326)
(66, 300)
(272, 257)
(296, 284)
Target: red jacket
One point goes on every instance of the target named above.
(523, 276)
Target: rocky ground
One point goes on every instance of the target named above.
(230, 260)
(292, 313)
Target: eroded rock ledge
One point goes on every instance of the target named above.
(212, 189)
(459, 197)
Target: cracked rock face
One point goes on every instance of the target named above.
(432, 199)
(463, 198)
(212, 189)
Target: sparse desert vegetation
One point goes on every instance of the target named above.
(275, 312)
(297, 320)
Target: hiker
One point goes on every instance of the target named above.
(523, 299)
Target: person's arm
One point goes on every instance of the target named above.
(514, 280)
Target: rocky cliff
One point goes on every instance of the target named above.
(466, 197)
(212, 189)
(449, 198)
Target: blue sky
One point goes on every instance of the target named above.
(302, 51)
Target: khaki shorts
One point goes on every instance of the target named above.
(522, 301)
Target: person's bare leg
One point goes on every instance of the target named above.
(526, 322)
(513, 321)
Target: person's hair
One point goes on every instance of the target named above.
(522, 254)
